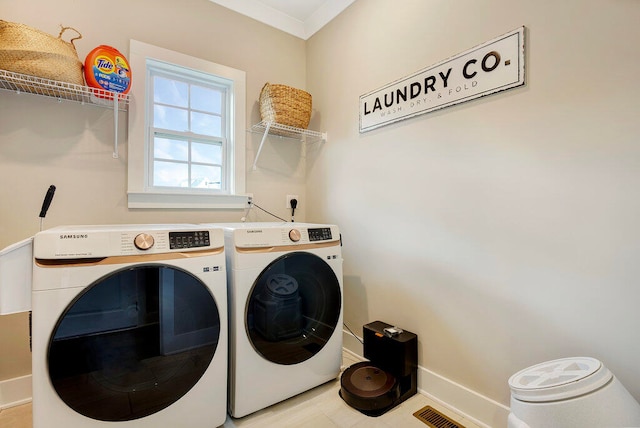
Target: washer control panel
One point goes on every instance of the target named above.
(122, 240)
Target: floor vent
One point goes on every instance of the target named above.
(435, 419)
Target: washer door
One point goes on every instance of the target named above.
(133, 343)
(293, 308)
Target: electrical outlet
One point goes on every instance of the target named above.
(249, 200)
(289, 197)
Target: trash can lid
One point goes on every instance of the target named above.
(559, 379)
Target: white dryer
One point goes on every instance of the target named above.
(285, 311)
(129, 327)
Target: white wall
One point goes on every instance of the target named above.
(503, 231)
(44, 142)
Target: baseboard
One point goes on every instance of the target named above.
(15, 391)
(479, 409)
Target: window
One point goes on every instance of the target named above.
(186, 132)
(188, 121)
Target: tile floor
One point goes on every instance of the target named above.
(16, 417)
(320, 407)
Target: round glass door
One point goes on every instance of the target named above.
(293, 308)
(133, 343)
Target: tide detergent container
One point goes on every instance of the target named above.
(106, 68)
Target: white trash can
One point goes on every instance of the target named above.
(575, 392)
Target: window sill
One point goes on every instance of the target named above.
(186, 201)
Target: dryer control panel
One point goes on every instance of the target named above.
(258, 235)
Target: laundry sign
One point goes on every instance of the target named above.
(494, 66)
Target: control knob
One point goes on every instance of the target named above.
(143, 241)
(294, 235)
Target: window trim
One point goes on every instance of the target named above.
(139, 193)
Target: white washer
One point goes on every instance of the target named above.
(129, 327)
(570, 392)
(285, 311)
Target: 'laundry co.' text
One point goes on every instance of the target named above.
(492, 67)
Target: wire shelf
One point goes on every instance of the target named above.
(288, 131)
(61, 90)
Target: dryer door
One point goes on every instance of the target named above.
(293, 308)
(133, 342)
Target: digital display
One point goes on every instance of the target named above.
(196, 239)
(320, 234)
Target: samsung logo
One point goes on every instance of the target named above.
(74, 236)
(254, 231)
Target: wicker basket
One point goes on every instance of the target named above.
(26, 50)
(285, 105)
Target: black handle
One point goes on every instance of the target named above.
(294, 204)
(47, 200)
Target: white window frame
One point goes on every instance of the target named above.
(141, 193)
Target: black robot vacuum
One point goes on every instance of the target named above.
(389, 377)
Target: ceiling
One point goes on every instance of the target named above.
(302, 18)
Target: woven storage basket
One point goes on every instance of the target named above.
(26, 50)
(285, 105)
